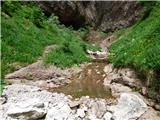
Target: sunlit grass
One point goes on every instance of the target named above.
(26, 32)
(139, 46)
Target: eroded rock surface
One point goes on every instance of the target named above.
(26, 104)
(38, 74)
(29, 101)
(30, 109)
(150, 114)
(106, 15)
(129, 106)
(37, 71)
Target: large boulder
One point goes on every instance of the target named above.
(60, 111)
(32, 109)
(104, 15)
(130, 106)
(26, 102)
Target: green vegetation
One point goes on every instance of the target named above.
(69, 53)
(136, 89)
(27, 31)
(139, 46)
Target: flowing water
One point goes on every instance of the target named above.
(88, 82)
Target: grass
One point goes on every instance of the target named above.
(139, 46)
(67, 53)
(27, 31)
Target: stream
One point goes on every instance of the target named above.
(88, 82)
(93, 91)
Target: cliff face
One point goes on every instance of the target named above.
(102, 15)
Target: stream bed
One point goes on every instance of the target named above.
(88, 82)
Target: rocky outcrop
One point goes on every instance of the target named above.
(102, 15)
(31, 109)
(40, 75)
(121, 79)
(26, 104)
(29, 101)
(61, 111)
(129, 106)
(150, 114)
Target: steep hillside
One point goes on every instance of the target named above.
(139, 47)
(53, 71)
(27, 31)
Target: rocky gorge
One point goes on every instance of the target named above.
(93, 90)
(98, 14)
(28, 101)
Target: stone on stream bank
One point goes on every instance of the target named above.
(25, 102)
(129, 106)
(29, 100)
(45, 77)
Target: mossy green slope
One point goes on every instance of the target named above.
(26, 31)
(139, 46)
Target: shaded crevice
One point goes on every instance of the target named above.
(102, 15)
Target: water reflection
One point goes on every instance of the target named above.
(89, 82)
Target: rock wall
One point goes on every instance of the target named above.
(102, 15)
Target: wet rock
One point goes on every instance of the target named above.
(31, 109)
(129, 106)
(61, 111)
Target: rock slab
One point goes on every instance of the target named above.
(129, 106)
